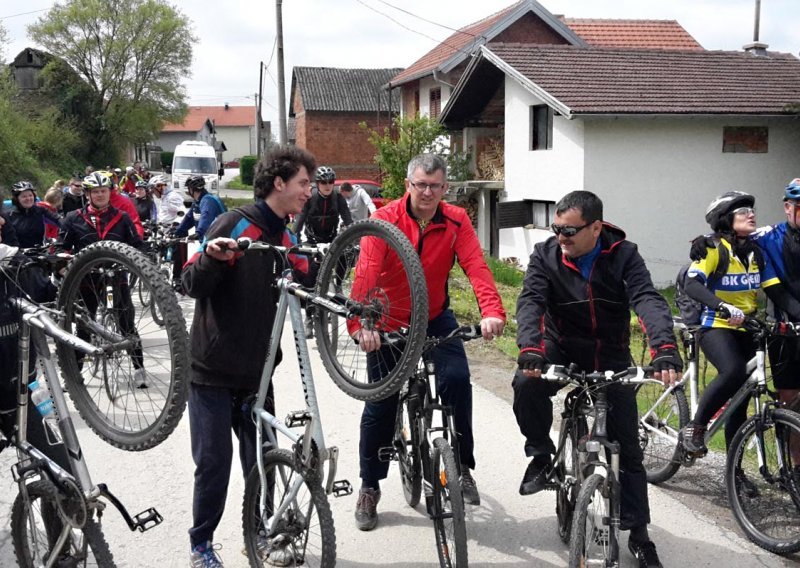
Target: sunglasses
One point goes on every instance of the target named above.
(568, 230)
(744, 211)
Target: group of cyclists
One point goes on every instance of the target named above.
(573, 308)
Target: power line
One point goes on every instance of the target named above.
(23, 14)
(425, 19)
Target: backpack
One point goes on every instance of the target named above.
(690, 309)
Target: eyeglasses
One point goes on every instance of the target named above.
(568, 230)
(76, 185)
(421, 187)
(744, 211)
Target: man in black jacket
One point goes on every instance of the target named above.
(575, 308)
(233, 316)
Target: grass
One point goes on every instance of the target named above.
(231, 202)
(236, 183)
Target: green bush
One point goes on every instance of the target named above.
(166, 159)
(246, 167)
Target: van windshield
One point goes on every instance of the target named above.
(194, 164)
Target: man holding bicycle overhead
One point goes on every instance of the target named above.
(575, 307)
(441, 233)
(233, 317)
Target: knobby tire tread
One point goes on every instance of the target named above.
(590, 488)
(408, 459)
(442, 451)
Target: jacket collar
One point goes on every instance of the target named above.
(438, 216)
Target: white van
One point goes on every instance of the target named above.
(191, 158)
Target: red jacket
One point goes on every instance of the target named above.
(122, 203)
(449, 237)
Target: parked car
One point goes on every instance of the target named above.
(372, 189)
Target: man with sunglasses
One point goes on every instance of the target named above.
(441, 233)
(575, 305)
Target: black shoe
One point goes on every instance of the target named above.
(367, 508)
(749, 488)
(692, 436)
(469, 489)
(645, 553)
(535, 477)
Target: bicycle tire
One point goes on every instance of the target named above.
(591, 520)
(406, 443)
(566, 474)
(448, 505)
(662, 453)
(144, 292)
(294, 528)
(766, 502)
(347, 364)
(76, 552)
(138, 418)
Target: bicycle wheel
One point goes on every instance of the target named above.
(35, 529)
(659, 424)
(764, 489)
(406, 443)
(448, 507)
(590, 543)
(144, 292)
(566, 476)
(372, 271)
(108, 390)
(304, 535)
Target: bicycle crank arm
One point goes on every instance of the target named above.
(143, 521)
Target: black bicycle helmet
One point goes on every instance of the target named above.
(792, 192)
(195, 183)
(718, 214)
(325, 173)
(20, 187)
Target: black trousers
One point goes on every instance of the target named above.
(213, 413)
(533, 408)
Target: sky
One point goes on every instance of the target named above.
(236, 35)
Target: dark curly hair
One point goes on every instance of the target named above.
(283, 162)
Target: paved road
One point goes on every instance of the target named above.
(505, 531)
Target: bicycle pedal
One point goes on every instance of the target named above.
(147, 519)
(387, 454)
(297, 418)
(341, 488)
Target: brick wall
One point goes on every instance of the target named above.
(530, 29)
(336, 140)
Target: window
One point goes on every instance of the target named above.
(526, 213)
(745, 139)
(541, 127)
(436, 103)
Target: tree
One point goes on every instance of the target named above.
(133, 55)
(3, 42)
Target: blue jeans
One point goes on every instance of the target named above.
(455, 390)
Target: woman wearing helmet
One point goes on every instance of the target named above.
(28, 220)
(145, 205)
(726, 282)
(170, 201)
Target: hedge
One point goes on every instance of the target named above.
(246, 166)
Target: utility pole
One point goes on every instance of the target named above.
(258, 108)
(758, 21)
(282, 135)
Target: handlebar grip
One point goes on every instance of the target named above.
(244, 243)
(471, 331)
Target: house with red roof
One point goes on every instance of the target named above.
(231, 126)
(656, 133)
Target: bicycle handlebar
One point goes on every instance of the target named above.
(38, 317)
(572, 374)
(246, 243)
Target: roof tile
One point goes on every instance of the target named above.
(654, 34)
(219, 115)
(342, 90)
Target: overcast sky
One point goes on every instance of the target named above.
(236, 34)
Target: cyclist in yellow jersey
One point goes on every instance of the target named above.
(727, 345)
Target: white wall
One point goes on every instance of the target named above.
(425, 86)
(657, 175)
(540, 174)
(238, 141)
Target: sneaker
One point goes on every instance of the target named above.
(140, 378)
(535, 477)
(692, 436)
(367, 508)
(469, 489)
(645, 553)
(749, 488)
(205, 556)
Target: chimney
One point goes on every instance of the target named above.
(226, 106)
(756, 48)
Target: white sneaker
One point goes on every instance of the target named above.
(140, 378)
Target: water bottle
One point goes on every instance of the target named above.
(40, 396)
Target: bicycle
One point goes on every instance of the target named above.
(285, 513)
(762, 484)
(593, 516)
(161, 247)
(95, 303)
(426, 449)
(56, 517)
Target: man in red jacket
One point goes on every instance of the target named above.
(441, 233)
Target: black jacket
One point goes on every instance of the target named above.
(590, 320)
(236, 300)
(72, 202)
(320, 216)
(82, 228)
(29, 224)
